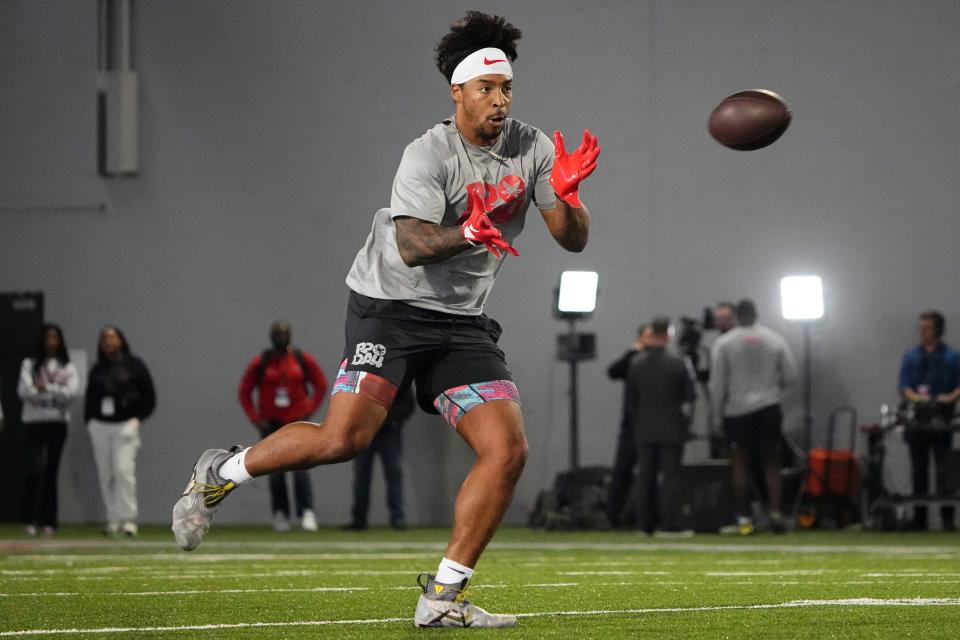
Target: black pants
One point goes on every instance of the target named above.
(921, 445)
(388, 443)
(44, 447)
(653, 459)
(622, 479)
(302, 491)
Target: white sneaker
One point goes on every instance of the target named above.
(308, 521)
(280, 522)
(130, 529)
(30, 530)
(445, 605)
(193, 512)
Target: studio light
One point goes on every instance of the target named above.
(802, 297)
(577, 294)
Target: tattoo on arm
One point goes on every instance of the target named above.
(421, 242)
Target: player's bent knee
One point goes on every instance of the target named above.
(518, 460)
(518, 457)
(345, 445)
(508, 455)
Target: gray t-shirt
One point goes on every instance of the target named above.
(752, 366)
(431, 184)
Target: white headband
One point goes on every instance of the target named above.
(482, 62)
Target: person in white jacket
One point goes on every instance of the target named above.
(48, 383)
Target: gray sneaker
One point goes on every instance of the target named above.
(445, 605)
(193, 512)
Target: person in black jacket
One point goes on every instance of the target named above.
(625, 458)
(389, 444)
(119, 397)
(659, 394)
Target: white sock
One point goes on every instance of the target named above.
(451, 572)
(235, 469)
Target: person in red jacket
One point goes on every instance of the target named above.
(290, 387)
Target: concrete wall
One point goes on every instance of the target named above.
(270, 132)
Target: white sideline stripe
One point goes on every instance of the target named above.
(795, 572)
(912, 574)
(849, 602)
(61, 571)
(42, 594)
(180, 556)
(163, 575)
(423, 547)
(614, 573)
(597, 573)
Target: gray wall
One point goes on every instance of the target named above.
(270, 132)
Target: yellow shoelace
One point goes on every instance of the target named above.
(461, 596)
(213, 493)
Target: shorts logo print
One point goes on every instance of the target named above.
(369, 353)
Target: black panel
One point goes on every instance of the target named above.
(21, 320)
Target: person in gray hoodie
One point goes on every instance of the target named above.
(752, 366)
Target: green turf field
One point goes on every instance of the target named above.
(253, 583)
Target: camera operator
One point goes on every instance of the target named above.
(930, 384)
(626, 455)
(721, 318)
(752, 366)
(724, 317)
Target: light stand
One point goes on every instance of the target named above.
(802, 300)
(573, 357)
(807, 402)
(576, 299)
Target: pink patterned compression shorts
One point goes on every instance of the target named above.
(455, 402)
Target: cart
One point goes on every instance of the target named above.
(829, 494)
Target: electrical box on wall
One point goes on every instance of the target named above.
(118, 117)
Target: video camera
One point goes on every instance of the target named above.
(690, 337)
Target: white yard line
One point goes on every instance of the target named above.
(851, 602)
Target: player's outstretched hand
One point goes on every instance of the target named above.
(478, 227)
(570, 169)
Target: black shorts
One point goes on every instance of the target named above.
(453, 360)
(759, 432)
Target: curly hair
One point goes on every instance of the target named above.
(475, 31)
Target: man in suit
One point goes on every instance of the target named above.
(659, 396)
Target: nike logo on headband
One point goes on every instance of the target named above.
(487, 61)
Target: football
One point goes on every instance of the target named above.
(749, 120)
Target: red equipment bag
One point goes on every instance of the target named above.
(832, 473)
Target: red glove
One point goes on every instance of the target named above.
(570, 169)
(478, 228)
